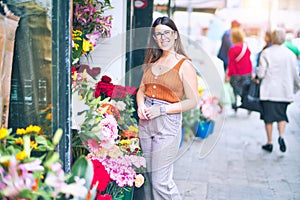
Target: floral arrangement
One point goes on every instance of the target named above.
(89, 24)
(210, 108)
(109, 133)
(31, 169)
(122, 98)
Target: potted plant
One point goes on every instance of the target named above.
(210, 108)
(190, 118)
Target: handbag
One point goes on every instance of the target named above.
(227, 95)
(250, 97)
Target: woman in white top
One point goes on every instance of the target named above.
(278, 71)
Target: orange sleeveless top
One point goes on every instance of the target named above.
(167, 86)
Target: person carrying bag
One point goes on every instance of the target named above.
(239, 70)
(250, 96)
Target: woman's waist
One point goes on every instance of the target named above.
(242, 74)
(165, 97)
(155, 100)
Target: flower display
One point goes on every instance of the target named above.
(210, 108)
(107, 89)
(89, 24)
(109, 133)
(30, 168)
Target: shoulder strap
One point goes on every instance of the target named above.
(178, 65)
(239, 57)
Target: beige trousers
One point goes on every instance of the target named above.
(160, 139)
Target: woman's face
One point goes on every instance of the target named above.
(165, 37)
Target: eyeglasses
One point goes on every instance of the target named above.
(167, 34)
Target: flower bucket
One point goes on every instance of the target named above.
(128, 194)
(205, 129)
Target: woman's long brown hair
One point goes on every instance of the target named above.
(153, 52)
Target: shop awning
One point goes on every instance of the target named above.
(208, 6)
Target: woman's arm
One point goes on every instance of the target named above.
(262, 67)
(190, 85)
(140, 99)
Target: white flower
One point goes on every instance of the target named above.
(77, 189)
(139, 180)
(113, 102)
(121, 105)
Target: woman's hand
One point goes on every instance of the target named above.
(153, 112)
(142, 112)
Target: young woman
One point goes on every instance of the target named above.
(168, 87)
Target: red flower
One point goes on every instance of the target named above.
(119, 92)
(128, 134)
(100, 175)
(103, 197)
(105, 88)
(130, 90)
(110, 90)
(73, 70)
(106, 79)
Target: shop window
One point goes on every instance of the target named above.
(31, 77)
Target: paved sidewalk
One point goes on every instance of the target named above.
(237, 168)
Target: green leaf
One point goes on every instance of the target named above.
(4, 158)
(57, 136)
(44, 143)
(51, 158)
(83, 168)
(90, 135)
(26, 139)
(95, 101)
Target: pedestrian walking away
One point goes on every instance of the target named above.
(239, 71)
(278, 71)
(226, 43)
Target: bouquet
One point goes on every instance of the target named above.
(109, 134)
(210, 108)
(89, 24)
(31, 169)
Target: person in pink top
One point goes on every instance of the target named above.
(239, 71)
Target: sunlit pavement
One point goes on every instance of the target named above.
(237, 168)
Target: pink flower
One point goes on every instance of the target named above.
(93, 37)
(109, 131)
(32, 166)
(12, 182)
(210, 108)
(93, 145)
(119, 170)
(137, 161)
(208, 111)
